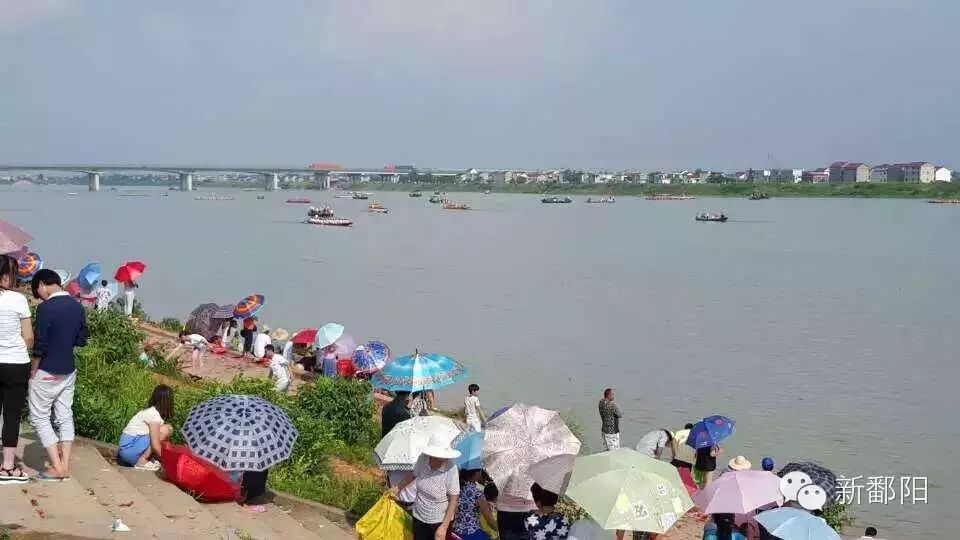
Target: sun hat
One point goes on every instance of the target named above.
(264, 328)
(280, 334)
(740, 463)
(439, 447)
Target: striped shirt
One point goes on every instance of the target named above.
(434, 487)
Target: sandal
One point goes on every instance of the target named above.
(45, 477)
(7, 476)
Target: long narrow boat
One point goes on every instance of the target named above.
(554, 199)
(601, 200)
(667, 197)
(377, 208)
(453, 205)
(330, 222)
(944, 201)
(299, 201)
(213, 198)
(703, 216)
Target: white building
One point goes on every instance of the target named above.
(942, 174)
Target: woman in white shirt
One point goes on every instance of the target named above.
(438, 489)
(142, 439)
(16, 339)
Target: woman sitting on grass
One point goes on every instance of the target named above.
(141, 440)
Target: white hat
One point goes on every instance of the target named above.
(439, 447)
(740, 463)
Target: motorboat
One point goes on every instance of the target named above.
(261, 197)
(416, 194)
(601, 200)
(554, 199)
(360, 196)
(377, 208)
(758, 196)
(667, 197)
(324, 212)
(436, 199)
(487, 192)
(296, 201)
(330, 222)
(704, 216)
(453, 205)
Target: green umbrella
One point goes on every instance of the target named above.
(626, 490)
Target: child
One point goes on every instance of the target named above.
(489, 526)
(545, 523)
(279, 369)
(143, 437)
(104, 296)
(471, 405)
(199, 345)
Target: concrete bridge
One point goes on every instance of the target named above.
(271, 175)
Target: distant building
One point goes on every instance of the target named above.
(655, 177)
(912, 173)
(942, 174)
(878, 173)
(816, 176)
(849, 171)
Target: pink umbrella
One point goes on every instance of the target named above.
(12, 238)
(739, 492)
(345, 345)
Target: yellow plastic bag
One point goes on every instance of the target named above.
(489, 528)
(385, 521)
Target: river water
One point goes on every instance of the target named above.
(827, 327)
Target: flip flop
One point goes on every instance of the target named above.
(44, 477)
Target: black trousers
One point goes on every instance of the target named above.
(253, 485)
(13, 399)
(424, 531)
(510, 525)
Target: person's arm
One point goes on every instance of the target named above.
(81, 339)
(447, 517)
(616, 411)
(42, 329)
(26, 331)
(395, 490)
(155, 439)
(483, 417)
(487, 512)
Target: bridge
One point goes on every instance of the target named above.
(271, 175)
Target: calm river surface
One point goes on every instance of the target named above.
(827, 328)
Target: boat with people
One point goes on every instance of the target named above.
(601, 200)
(704, 216)
(330, 222)
(261, 197)
(758, 196)
(944, 201)
(436, 199)
(298, 201)
(454, 205)
(668, 197)
(213, 198)
(360, 196)
(487, 192)
(415, 194)
(377, 208)
(555, 199)
(322, 212)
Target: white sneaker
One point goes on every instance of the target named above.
(151, 466)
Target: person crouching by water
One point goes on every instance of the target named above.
(197, 344)
(470, 506)
(653, 443)
(145, 433)
(609, 421)
(545, 523)
(438, 490)
(279, 369)
(684, 456)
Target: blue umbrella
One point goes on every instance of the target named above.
(793, 524)
(371, 357)
(498, 412)
(89, 275)
(470, 447)
(710, 431)
(419, 372)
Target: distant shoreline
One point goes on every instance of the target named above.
(868, 191)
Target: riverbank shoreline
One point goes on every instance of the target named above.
(857, 191)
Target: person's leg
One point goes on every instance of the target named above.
(424, 531)
(194, 358)
(63, 412)
(42, 394)
(13, 398)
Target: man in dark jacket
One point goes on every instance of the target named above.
(60, 326)
(394, 412)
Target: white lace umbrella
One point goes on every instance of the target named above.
(399, 449)
(520, 437)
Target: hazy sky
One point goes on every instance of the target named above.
(481, 83)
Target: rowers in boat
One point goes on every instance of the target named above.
(331, 222)
(555, 199)
(321, 213)
(298, 201)
(606, 200)
(454, 205)
(436, 199)
(377, 208)
(704, 216)
(360, 196)
(417, 193)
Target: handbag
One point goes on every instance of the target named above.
(385, 520)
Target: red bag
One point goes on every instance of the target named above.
(345, 368)
(197, 476)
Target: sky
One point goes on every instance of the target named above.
(719, 84)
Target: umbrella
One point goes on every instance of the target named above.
(517, 439)
(498, 412)
(328, 334)
(627, 490)
(65, 275)
(419, 372)
(130, 271)
(345, 346)
(89, 275)
(72, 288)
(249, 306)
(201, 320)
(197, 476)
(739, 492)
(240, 433)
(795, 524)
(470, 448)
(28, 265)
(710, 431)
(400, 448)
(304, 337)
(553, 474)
(820, 475)
(12, 238)
(224, 312)
(371, 357)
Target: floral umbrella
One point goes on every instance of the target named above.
(28, 265)
(249, 306)
(399, 449)
(520, 437)
(419, 372)
(371, 357)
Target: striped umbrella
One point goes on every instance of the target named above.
(28, 265)
(249, 306)
(371, 357)
(419, 372)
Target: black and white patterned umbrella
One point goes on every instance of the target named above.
(820, 475)
(240, 433)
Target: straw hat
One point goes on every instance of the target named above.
(740, 463)
(265, 328)
(280, 334)
(439, 447)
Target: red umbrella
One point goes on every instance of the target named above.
(196, 475)
(73, 288)
(304, 337)
(130, 271)
(12, 238)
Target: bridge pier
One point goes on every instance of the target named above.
(93, 178)
(271, 181)
(322, 180)
(186, 182)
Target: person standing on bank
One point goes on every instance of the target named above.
(609, 421)
(16, 339)
(60, 327)
(438, 490)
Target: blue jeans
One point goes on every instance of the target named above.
(131, 448)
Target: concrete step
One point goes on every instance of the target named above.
(274, 523)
